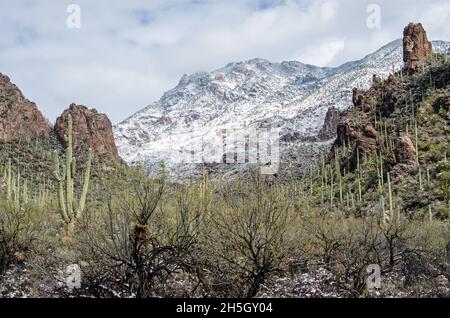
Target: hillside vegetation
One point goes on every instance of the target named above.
(371, 217)
(369, 202)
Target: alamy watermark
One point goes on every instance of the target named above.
(74, 18)
(374, 19)
(73, 278)
(237, 146)
(373, 281)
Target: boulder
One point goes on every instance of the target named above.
(405, 151)
(404, 156)
(367, 142)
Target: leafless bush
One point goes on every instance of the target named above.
(347, 246)
(17, 232)
(245, 242)
(142, 243)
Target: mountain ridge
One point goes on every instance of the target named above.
(257, 59)
(292, 96)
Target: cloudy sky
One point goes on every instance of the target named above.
(127, 53)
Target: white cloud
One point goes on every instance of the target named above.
(436, 19)
(321, 54)
(127, 53)
(328, 10)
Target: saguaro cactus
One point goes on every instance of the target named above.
(70, 211)
(9, 180)
(391, 203)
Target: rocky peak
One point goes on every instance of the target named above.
(385, 97)
(19, 118)
(90, 130)
(416, 47)
(330, 125)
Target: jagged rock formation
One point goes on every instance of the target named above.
(368, 125)
(330, 125)
(416, 47)
(90, 130)
(361, 132)
(19, 118)
(357, 126)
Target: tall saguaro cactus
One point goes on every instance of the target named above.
(70, 211)
(9, 180)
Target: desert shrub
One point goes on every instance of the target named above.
(245, 240)
(18, 230)
(347, 246)
(425, 255)
(137, 242)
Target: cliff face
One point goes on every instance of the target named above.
(376, 124)
(90, 130)
(400, 127)
(370, 125)
(416, 47)
(330, 125)
(19, 118)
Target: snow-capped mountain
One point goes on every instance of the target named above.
(291, 96)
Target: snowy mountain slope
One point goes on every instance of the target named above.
(290, 95)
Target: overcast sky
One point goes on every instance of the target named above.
(127, 53)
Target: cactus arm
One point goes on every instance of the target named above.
(87, 174)
(8, 182)
(391, 204)
(417, 143)
(359, 189)
(60, 178)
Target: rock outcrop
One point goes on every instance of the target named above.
(416, 47)
(405, 151)
(363, 99)
(330, 125)
(19, 118)
(346, 133)
(405, 156)
(90, 130)
(365, 136)
(360, 127)
(356, 97)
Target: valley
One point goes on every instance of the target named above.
(359, 207)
